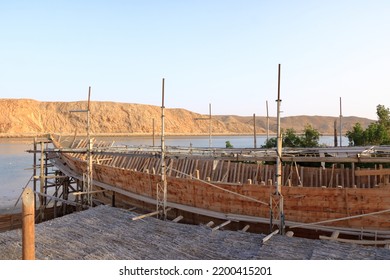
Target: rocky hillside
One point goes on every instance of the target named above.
(25, 117)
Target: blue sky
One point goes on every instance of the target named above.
(221, 52)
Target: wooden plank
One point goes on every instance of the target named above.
(222, 163)
(206, 171)
(147, 215)
(225, 177)
(371, 172)
(245, 172)
(183, 165)
(335, 234)
(191, 168)
(196, 175)
(221, 225)
(128, 163)
(177, 219)
(196, 168)
(376, 177)
(290, 233)
(239, 170)
(255, 175)
(169, 162)
(268, 237)
(210, 224)
(311, 179)
(145, 165)
(91, 192)
(58, 199)
(214, 171)
(120, 162)
(245, 228)
(234, 171)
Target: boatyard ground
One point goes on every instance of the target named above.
(107, 233)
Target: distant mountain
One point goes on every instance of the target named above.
(26, 117)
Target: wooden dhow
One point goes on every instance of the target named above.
(236, 186)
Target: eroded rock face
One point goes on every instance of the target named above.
(26, 116)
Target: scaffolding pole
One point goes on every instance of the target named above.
(209, 118)
(48, 179)
(88, 177)
(276, 199)
(162, 186)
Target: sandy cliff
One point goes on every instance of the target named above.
(25, 116)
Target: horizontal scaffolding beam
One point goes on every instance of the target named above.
(329, 155)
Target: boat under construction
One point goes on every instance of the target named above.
(340, 193)
(324, 191)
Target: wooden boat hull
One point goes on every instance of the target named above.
(355, 209)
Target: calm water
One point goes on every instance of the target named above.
(14, 173)
(16, 163)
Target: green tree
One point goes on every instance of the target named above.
(383, 116)
(310, 138)
(356, 136)
(377, 133)
(290, 139)
(228, 145)
(270, 143)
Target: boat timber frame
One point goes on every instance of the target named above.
(229, 184)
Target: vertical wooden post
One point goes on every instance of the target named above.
(266, 104)
(162, 187)
(254, 131)
(197, 174)
(35, 166)
(46, 172)
(278, 172)
(210, 123)
(376, 178)
(358, 179)
(335, 133)
(42, 184)
(320, 176)
(153, 132)
(28, 226)
(341, 126)
(89, 150)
